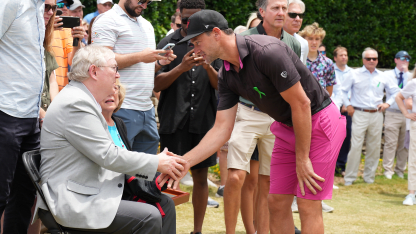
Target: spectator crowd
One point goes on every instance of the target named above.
(84, 95)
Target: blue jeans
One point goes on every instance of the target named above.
(141, 129)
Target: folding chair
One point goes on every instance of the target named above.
(31, 160)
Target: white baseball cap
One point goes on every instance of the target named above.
(75, 5)
(104, 1)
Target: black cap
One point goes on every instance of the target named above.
(204, 21)
(403, 54)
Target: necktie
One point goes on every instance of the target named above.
(401, 80)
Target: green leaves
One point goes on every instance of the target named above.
(386, 25)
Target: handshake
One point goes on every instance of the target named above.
(172, 167)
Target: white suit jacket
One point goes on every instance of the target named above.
(82, 170)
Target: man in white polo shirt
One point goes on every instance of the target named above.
(132, 39)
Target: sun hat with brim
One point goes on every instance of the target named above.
(204, 21)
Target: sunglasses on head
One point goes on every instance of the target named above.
(185, 20)
(404, 58)
(143, 2)
(48, 7)
(369, 59)
(322, 52)
(61, 5)
(294, 15)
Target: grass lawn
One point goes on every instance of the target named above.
(360, 208)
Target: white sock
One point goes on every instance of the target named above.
(222, 186)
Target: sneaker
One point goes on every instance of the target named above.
(388, 176)
(326, 208)
(220, 191)
(187, 180)
(212, 203)
(348, 183)
(410, 200)
(335, 187)
(295, 206)
(400, 175)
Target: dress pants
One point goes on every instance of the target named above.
(412, 157)
(345, 148)
(394, 134)
(17, 193)
(131, 217)
(362, 123)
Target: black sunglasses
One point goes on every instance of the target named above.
(294, 15)
(48, 7)
(143, 2)
(369, 59)
(179, 25)
(185, 20)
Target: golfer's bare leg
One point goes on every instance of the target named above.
(281, 218)
(247, 197)
(310, 212)
(232, 198)
(262, 205)
(199, 196)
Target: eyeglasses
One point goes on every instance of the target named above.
(404, 58)
(294, 15)
(179, 25)
(185, 20)
(113, 67)
(369, 59)
(62, 4)
(141, 2)
(48, 7)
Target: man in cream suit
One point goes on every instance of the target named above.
(82, 170)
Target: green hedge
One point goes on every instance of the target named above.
(386, 25)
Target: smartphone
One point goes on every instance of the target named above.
(168, 46)
(70, 22)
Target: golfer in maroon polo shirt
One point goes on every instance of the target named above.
(309, 128)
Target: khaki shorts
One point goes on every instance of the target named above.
(251, 128)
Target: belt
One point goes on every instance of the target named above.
(250, 106)
(394, 111)
(365, 110)
(324, 104)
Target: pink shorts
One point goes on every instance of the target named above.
(328, 133)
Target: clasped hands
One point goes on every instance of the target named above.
(173, 169)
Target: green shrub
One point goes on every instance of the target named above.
(386, 25)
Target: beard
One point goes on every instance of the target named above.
(130, 10)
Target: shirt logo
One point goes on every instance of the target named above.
(284, 74)
(206, 26)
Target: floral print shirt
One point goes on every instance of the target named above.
(323, 69)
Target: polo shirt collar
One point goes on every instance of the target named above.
(242, 51)
(177, 36)
(262, 31)
(121, 12)
(346, 68)
(364, 69)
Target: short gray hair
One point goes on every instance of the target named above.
(300, 3)
(369, 49)
(85, 57)
(263, 4)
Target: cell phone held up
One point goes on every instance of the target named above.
(167, 47)
(71, 22)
